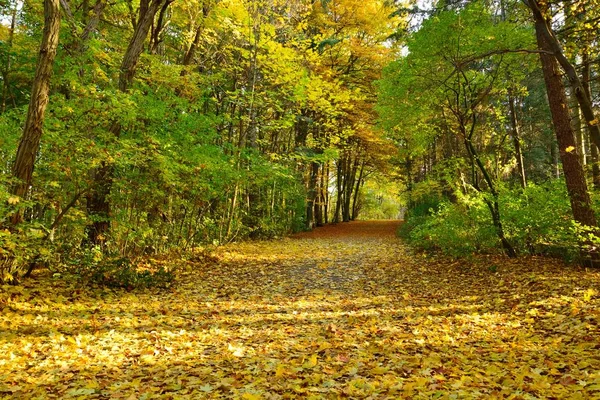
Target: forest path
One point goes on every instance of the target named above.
(338, 257)
(344, 311)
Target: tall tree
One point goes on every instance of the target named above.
(32, 132)
(575, 178)
(98, 203)
(543, 27)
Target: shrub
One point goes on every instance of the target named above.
(117, 272)
(536, 220)
(456, 230)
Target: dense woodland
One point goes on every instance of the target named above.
(131, 128)
(299, 199)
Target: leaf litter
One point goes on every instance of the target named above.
(344, 311)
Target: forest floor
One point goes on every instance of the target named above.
(344, 311)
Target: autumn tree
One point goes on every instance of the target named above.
(32, 132)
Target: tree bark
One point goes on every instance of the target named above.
(559, 108)
(349, 180)
(355, 200)
(312, 195)
(32, 133)
(543, 28)
(587, 77)
(340, 189)
(98, 204)
(156, 36)
(516, 137)
(5, 74)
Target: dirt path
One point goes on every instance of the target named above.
(346, 311)
(339, 257)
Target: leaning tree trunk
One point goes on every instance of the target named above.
(559, 108)
(32, 132)
(552, 45)
(359, 182)
(98, 203)
(595, 159)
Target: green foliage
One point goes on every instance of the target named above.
(453, 229)
(536, 221)
(94, 268)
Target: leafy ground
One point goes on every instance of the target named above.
(346, 311)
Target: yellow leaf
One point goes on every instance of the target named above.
(379, 370)
(570, 149)
(311, 362)
(12, 200)
(587, 296)
(237, 351)
(280, 371)
(251, 396)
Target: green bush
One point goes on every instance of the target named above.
(92, 268)
(456, 230)
(536, 220)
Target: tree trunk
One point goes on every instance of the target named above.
(5, 74)
(595, 166)
(492, 204)
(516, 136)
(340, 190)
(98, 204)
(355, 202)
(156, 36)
(595, 159)
(30, 140)
(349, 180)
(312, 195)
(320, 201)
(325, 189)
(191, 51)
(573, 170)
(579, 132)
(552, 45)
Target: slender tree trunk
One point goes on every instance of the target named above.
(340, 189)
(579, 132)
(156, 35)
(312, 195)
(359, 182)
(191, 51)
(98, 203)
(326, 193)
(319, 220)
(493, 205)
(595, 166)
(349, 180)
(595, 159)
(32, 133)
(516, 137)
(5, 75)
